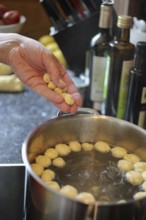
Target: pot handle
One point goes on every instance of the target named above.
(80, 110)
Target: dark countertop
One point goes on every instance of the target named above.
(19, 114)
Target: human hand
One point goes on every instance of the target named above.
(29, 60)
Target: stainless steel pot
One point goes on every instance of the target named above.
(46, 203)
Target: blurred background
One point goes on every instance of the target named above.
(36, 26)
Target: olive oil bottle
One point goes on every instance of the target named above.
(98, 57)
(121, 61)
(136, 101)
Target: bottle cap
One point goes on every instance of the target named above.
(108, 2)
(125, 21)
(141, 48)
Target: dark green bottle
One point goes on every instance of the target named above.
(136, 101)
(121, 61)
(98, 57)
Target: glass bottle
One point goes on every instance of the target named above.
(98, 57)
(136, 101)
(121, 61)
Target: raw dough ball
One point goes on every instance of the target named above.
(63, 149)
(51, 85)
(51, 153)
(86, 197)
(59, 162)
(69, 190)
(68, 98)
(58, 90)
(46, 78)
(134, 177)
(140, 166)
(144, 175)
(102, 147)
(48, 175)
(75, 146)
(125, 165)
(132, 158)
(43, 160)
(139, 195)
(118, 152)
(143, 186)
(87, 146)
(53, 184)
(37, 168)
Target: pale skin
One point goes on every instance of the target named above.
(29, 60)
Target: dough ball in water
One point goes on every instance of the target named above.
(139, 195)
(134, 177)
(94, 190)
(102, 147)
(104, 198)
(37, 168)
(69, 190)
(48, 175)
(75, 146)
(143, 186)
(140, 166)
(43, 160)
(86, 197)
(59, 162)
(63, 149)
(125, 165)
(53, 184)
(51, 153)
(132, 158)
(121, 201)
(118, 152)
(144, 175)
(87, 146)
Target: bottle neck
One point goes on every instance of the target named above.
(140, 57)
(123, 35)
(140, 63)
(105, 19)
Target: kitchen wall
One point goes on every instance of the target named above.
(37, 23)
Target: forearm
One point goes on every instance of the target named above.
(8, 42)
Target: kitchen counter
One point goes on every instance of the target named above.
(19, 114)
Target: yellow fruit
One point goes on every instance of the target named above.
(52, 46)
(46, 39)
(60, 57)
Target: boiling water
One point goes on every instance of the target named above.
(96, 173)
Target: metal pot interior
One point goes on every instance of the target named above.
(83, 169)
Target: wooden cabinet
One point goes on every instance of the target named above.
(137, 9)
(37, 23)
